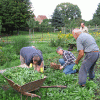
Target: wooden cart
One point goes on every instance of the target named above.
(31, 86)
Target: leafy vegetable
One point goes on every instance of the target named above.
(77, 66)
(22, 76)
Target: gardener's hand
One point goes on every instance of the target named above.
(33, 47)
(76, 62)
(38, 69)
(61, 67)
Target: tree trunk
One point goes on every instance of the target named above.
(89, 27)
(33, 33)
(70, 30)
(42, 36)
(54, 29)
(0, 28)
(64, 30)
(11, 29)
(7, 38)
(29, 31)
(96, 26)
(18, 31)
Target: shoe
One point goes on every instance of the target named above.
(77, 70)
(45, 67)
(83, 85)
(90, 79)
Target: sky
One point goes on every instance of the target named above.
(47, 7)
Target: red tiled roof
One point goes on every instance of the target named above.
(42, 17)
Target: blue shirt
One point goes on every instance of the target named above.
(86, 42)
(28, 53)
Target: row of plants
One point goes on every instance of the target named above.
(64, 40)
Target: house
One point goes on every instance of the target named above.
(40, 18)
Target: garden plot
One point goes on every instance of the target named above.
(54, 77)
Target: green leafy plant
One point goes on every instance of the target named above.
(58, 42)
(22, 76)
(77, 66)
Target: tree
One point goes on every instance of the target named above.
(0, 24)
(90, 22)
(73, 24)
(69, 12)
(14, 13)
(37, 23)
(31, 24)
(45, 23)
(96, 16)
(57, 20)
(78, 22)
(5, 14)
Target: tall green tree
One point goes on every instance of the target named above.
(45, 23)
(14, 13)
(57, 20)
(96, 16)
(69, 11)
(5, 14)
(31, 24)
(0, 24)
(89, 23)
(37, 23)
(78, 22)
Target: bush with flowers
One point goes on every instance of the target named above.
(63, 40)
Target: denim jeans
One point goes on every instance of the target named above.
(68, 69)
(88, 67)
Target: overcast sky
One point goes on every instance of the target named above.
(47, 7)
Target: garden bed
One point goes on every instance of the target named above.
(54, 77)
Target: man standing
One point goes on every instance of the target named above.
(31, 55)
(67, 62)
(83, 28)
(86, 44)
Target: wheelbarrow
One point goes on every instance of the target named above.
(31, 86)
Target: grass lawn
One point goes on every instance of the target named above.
(37, 36)
(54, 77)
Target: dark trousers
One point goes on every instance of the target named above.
(88, 66)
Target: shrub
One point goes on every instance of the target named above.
(63, 40)
(19, 42)
(58, 42)
(7, 54)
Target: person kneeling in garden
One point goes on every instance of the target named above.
(32, 55)
(67, 62)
